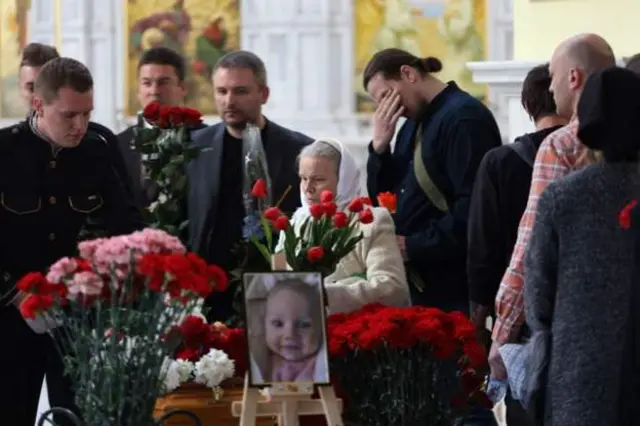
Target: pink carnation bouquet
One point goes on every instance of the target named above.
(111, 309)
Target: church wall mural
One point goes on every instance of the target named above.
(13, 37)
(201, 30)
(453, 31)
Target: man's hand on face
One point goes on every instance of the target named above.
(385, 118)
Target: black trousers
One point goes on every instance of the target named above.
(23, 361)
(26, 357)
(516, 414)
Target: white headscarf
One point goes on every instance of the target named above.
(348, 179)
(348, 185)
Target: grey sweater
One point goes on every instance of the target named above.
(579, 269)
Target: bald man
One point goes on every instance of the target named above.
(561, 153)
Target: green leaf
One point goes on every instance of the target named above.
(263, 250)
(268, 232)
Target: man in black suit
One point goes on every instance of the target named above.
(161, 78)
(215, 207)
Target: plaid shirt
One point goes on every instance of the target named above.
(560, 154)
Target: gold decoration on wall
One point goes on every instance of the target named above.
(13, 38)
(453, 31)
(201, 30)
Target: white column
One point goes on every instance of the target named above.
(307, 46)
(102, 58)
(504, 79)
(42, 18)
(86, 32)
(75, 29)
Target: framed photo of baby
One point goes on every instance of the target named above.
(286, 328)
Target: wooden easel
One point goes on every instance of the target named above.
(287, 401)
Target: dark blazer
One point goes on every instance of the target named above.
(47, 198)
(131, 161)
(282, 148)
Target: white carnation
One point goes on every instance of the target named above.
(171, 379)
(185, 369)
(213, 368)
(175, 373)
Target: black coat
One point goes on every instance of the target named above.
(46, 198)
(282, 148)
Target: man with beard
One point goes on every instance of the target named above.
(431, 170)
(215, 205)
(54, 172)
(161, 78)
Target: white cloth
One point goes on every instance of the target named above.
(348, 186)
(348, 178)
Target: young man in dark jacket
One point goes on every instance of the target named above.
(431, 169)
(499, 198)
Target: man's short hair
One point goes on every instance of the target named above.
(164, 56)
(37, 54)
(536, 98)
(245, 60)
(59, 73)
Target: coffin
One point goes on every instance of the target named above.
(200, 400)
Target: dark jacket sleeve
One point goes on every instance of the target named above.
(381, 176)
(541, 266)
(464, 144)
(115, 153)
(122, 214)
(485, 251)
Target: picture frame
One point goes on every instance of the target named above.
(287, 341)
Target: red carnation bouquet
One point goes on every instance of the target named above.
(406, 366)
(324, 238)
(111, 311)
(163, 138)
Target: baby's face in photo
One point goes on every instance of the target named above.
(291, 331)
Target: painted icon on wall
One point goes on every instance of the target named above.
(451, 30)
(13, 38)
(200, 30)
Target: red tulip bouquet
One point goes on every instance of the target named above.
(324, 238)
(406, 366)
(111, 310)
(164, 144)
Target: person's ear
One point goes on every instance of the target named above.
(37, 105)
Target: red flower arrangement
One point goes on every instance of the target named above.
(168, 117)
(165, 150)
(323, 239)
(409, 366)
(198, 338)
(118, 270)
(113, 308)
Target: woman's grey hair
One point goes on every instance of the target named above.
(322, 148)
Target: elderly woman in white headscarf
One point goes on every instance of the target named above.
(374, 270)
